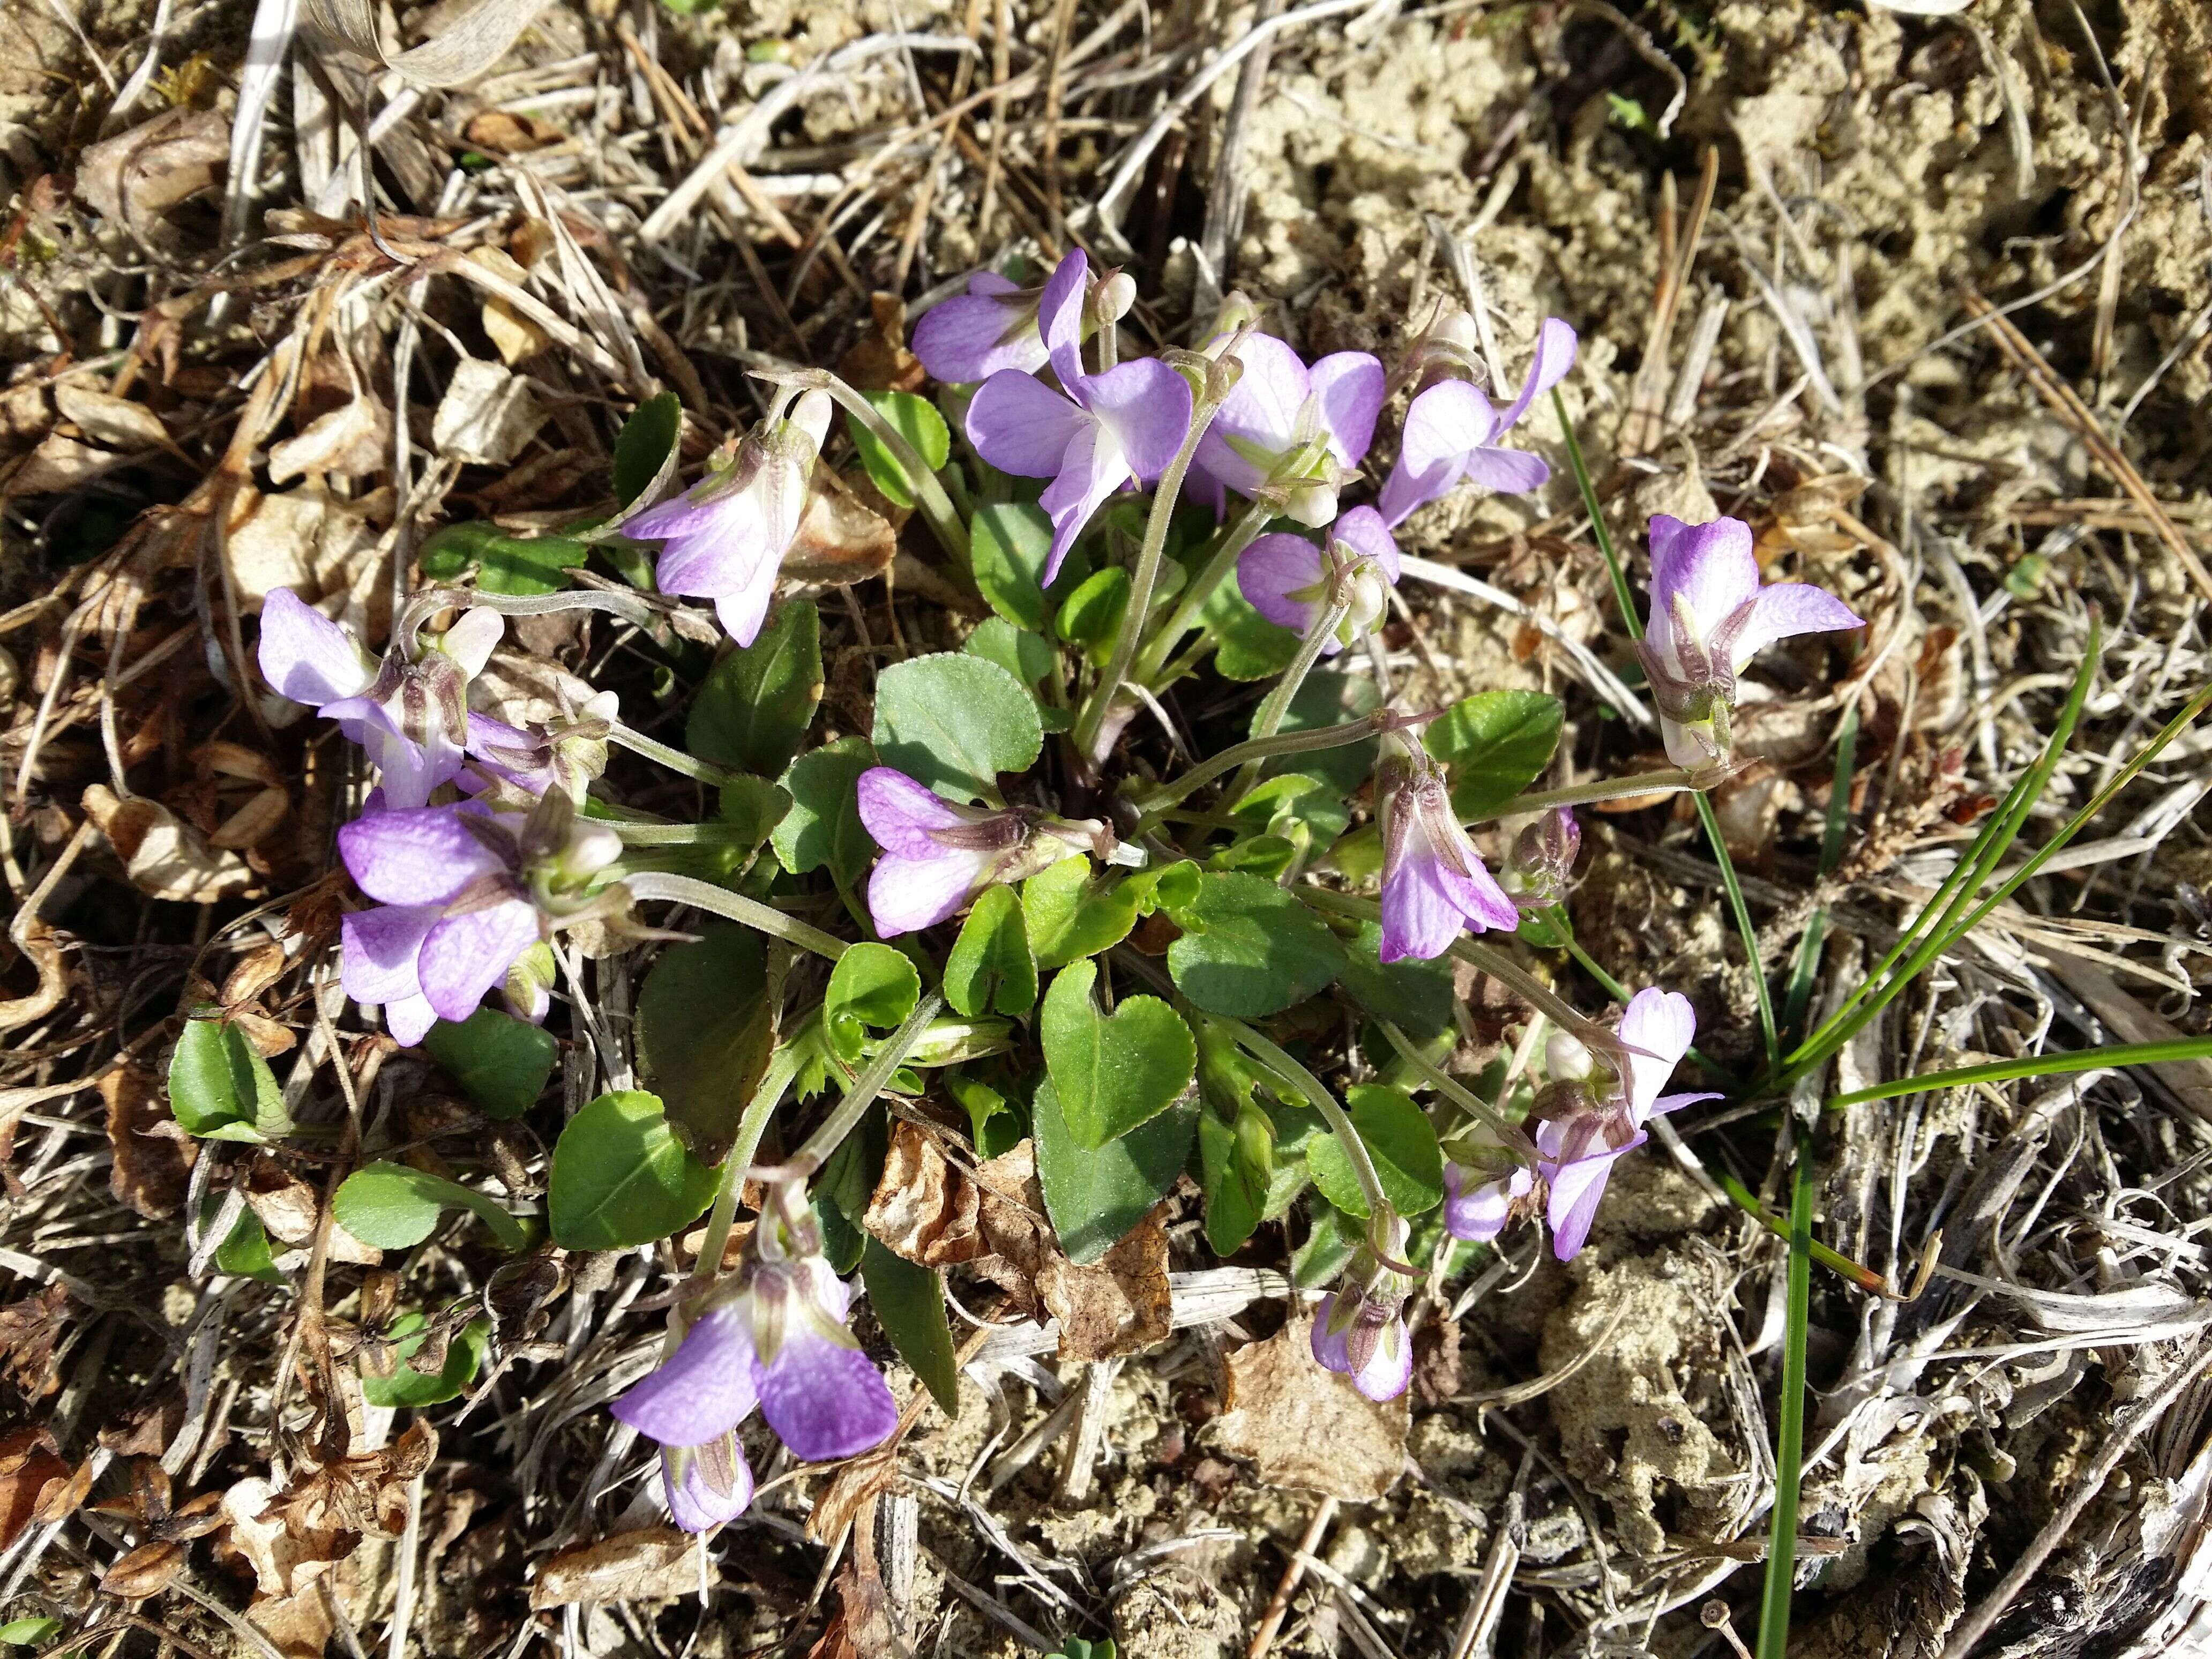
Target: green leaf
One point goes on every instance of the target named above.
(954, 722)
(220, 1089)
(621, 1178)
(504, 563)
(1008, 545)
(756, 805)
(993, 1123)
(1248, 646)
(705, 1026)
(1028, 657)
(245, 1250)
(991, 970)
(910, 1305)
(395, 1206)
(758, 701)
(824, 826)
(1096, 1197)
(1330, 698)
(1249, 949)
(1297, 808)
(1072, 911)
(1092, 614)
(1327, 1249)
(1401, 1141)
(34, 1631)
(872, 985)
(1417, 995)
(408, 1386)
(1495, 744)
(500, 1062)
(1112, 1073)
(916, 419)
(645, 449)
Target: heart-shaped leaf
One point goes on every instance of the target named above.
(405, 1386)
(910, 1305)
(759, 700)
(1008, 545)
(916, 419)
(704, 1027)
(1028, 657)
(824, 826)
(1072, 911)
(504, 563)
(991, 970)
(1416, 994)
(220, 1089)
(500, 1062)
(394, 1206)
(1096, 1197)
(1092, 614)
(621, 1178)
(1250, 949)
(955, 722)
(1402, 1144)
(1112, 1073)
(872, 985)
(1495, 745)
(645, 450)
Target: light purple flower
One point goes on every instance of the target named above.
(1599, 1102)
(1452, 432)
(515, 764)
(1479, 1195)
(973, 335)
(1097, 432)
(938, 855)
(1710, 617)
(774, 1337)
(1292, 583)
(462, 894)
(728, 534)
(1434, 883)
(1541, 859)
(708, 1485)
(1302, 430)
(1364, 1340)
(410, 711)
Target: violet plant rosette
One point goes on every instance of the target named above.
(463, 895)
(1092, 436)
(724, 537)
(1452, 433)
(1711, 616)
(1291, 582)
(1295, 432)
(772, 1336)
(410, 710)
(1600, 1099)
(1434, 883)
(938, 856)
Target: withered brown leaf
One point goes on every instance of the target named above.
(1307, 1428)
(653, 1564)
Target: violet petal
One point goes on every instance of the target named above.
(419, 855)
(704, 1389)
(825, 1400)
(306, 657)
(1782, 611)
(1146, 404)
(378, 949)
(1022, 426)
(1274, 567)
(1350, 385)
(464, 957)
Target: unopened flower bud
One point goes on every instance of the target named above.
(1111, 300)
(1566, 1059)
(1543, 857)
(1312, 503)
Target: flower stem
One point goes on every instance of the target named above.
(1283, 743)
(1339, 1121)
(1092, 717)
(1277, 704)
(713, 832)
(928, 489)
(1667, 780)
(887, 1058)
(705, 896)
(1459, 1095)
(674, 759)
(782, 1068)
(1192, 600)
(1789, 1435)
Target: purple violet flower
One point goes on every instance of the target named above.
(728, 534)
(973, 335)
(1710, 617)
(1452, 431)
(1304, 431)
(1291, 582)
(463, 894)
(515, 764)
(1542, 858)
(773, 1336)
(1095, 434)
(1365, 1340)
(938, 855)
(1434, 883)
(1597, 1104)
(410, 711)
(1481, 1193)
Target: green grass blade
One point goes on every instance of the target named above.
(1789, 1440)
(1800, 995)
(2107, 1057)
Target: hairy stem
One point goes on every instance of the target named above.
(889, 1055)
(750, 1128)
(674, 759)
(1339, 1121)
(705, 896)
(1277, 704)
(1192, 600)
(1459, 1095)
(1283, 743)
